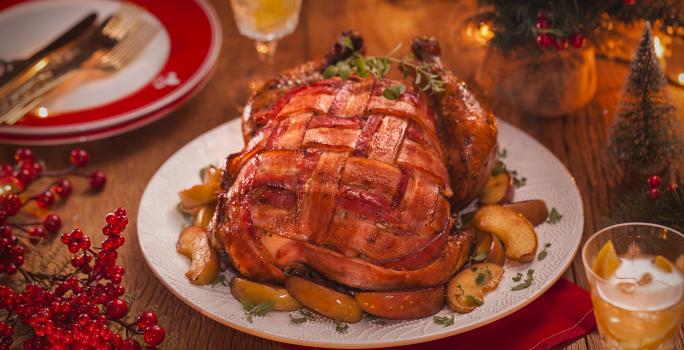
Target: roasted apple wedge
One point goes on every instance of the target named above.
(498, 189)
(516, 232)
(323, 300)
(402, 305)
(204, 261)
(466, 291)
(534, 210)
(488, 248)
(256, 293)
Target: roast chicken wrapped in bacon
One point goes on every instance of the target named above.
(360, 188)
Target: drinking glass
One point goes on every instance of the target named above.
(635, 273)
(265, 22)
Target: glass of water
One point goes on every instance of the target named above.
(265, 22)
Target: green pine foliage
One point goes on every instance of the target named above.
(637, 206)
(645, 138)
(515, 21)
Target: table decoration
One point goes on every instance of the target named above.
(541, 52)
(645, 136)
(83, 303)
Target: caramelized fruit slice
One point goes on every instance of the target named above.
(534, 210)
(325, 301)
(498, 189)
(204, 265)
(467, 289)
(256, 293)
(402, 305)
(662, 263)
(516, 232)
(606, 261)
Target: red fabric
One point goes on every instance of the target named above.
(562, 314)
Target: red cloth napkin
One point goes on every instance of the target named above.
(562, 314)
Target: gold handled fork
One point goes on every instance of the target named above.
(122, 38)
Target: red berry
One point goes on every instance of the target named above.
(146, 319)
(654, 181)
(52, 223)
(79, 157)
(577, 41)
(120, 211)
(671, 187)
(560, 43)
(154, 335)
(45, 199)
(542, 23)
(544, 40)
(23, 155)
(654, 193)
(97, 180)
(630, 2)
(65, 238)
(37, 231)
(5, 170)
(117, 308)
(10, 203)
(62, 188)
(130, 344)
(74, 247)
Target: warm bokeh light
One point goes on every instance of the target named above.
(480, 32)
(658, 46)
(42, 112)
(680, 78)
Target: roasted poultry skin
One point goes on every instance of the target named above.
(357, 187)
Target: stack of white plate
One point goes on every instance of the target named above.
(93, 105)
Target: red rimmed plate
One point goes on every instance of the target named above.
(174, 63)
(62, 139)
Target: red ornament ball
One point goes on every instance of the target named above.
(654, 181)
(544, 40)
(577, 41)
(654, 193)
(672, 187)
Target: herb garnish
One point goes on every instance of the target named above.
(260, 309)
(483, 275)
(526, 283)
(444, 321)
(502, 153)
(304, 316)
(379, 66)
(220, 279)
(376, 320)
(554, 216)
(518, 181)
(472, 300)
(341, 327)
(542, 255)
(517, 277)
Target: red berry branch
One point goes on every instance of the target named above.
(547, 37)
(82, 309)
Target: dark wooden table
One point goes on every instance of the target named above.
(131, 159)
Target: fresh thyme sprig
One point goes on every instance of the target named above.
(379, 66)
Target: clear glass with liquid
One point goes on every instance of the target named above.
(636, 276)
(266, 20)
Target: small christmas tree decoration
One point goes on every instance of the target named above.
(644, 138)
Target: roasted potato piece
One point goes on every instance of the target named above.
(467, 289)
(498, 189)
(194, 244)
(256, 293)
(534, 210)
(402, 305)
(516, 232)
(325, 301)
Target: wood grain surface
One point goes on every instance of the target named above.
(131, 159)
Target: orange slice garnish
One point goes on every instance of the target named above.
(663, 264)
(606, 261)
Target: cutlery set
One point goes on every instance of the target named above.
(107, 48)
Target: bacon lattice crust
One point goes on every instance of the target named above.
(346, 181)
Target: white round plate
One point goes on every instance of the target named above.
(159, 224)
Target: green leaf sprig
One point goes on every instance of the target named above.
(527, 283)
(341, 327)
(554, 216)
(379, 66)
(260, 309)
(444, 321)
(542, 255)
(302, 316)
